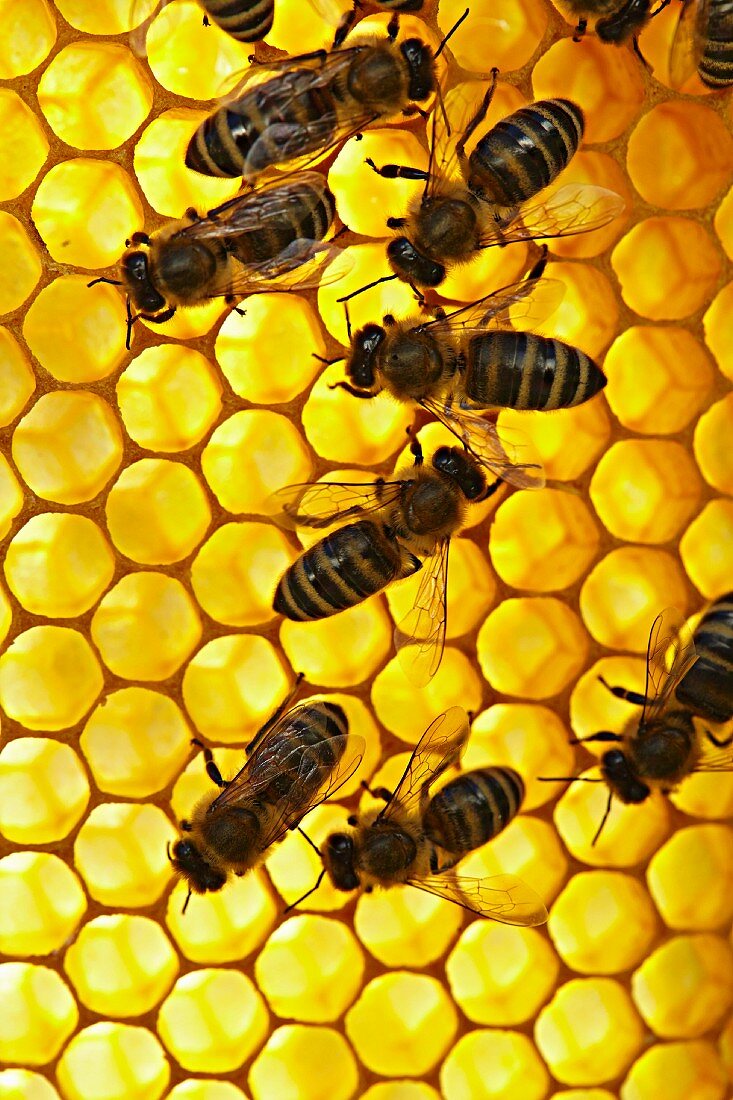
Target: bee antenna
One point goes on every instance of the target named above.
(104, 279)
(308, 893)
(130, 322)
(451, 32)
(368, 286)
(168, 851)
(603, 820)
(185, 904)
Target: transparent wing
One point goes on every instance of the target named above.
(420, 637)
(319, 504)
(689, 41)
(715, 758)
(529, 302)
(304, 264)
(576, 208)
(670, 654)
(440, 747)
(249, 211)
(502, 897)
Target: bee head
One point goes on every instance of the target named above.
(188, 862)
(338, 859)
(624, 23)
(135, 271)
(361, 364)
(463, 469)
(420, 66)
(620, 775)
(412, 266)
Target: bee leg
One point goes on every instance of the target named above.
(490, 489)
(138, 238)
(395, 223)
(719, 742)
(212, 769)
(367, 286)
(393, 27)
(603, 735)
(159, 318)
(327, 362)
(580, 30)
(185, 826)
(205, 21)
(398, 171)
(478, 117)
(104, 279)
(345, 25)
(621, 693)
(192, 215)
(604, 819)
(416, 449)
(377, 792)
(230, 300)
(307, 894)
(277, 714)
(363, 395)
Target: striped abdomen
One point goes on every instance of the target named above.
(245, 20)
(319, 730)
(525, 151)
(716, 64)
(517, 370)
(337, 572)
(707, 689)
(303, 211)
(473, 808)
(264, 126)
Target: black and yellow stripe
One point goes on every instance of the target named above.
(304, 211)
(707, 689)
(245, 20)
(319, 729)
(716, 64)
(473, 808)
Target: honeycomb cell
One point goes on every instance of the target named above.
(94, 95)
(200, 1089)
(343, 650)
(185, 324)
(603, 922)
(189, 63)
(121, 965)
(679, 155)
(684, 987)
(310, 969)
(531, 647)
(645, 490)
(199, 1035)
(135, 742)
(583, 1094)
(126, 1060)
(294, 867)
(21, 264)
(528, 848)
(22, 1084)
(493, 1065)
(39, 1014)
(11, 496)
(625, 592)
(233, 685)
(17, 380)
(49, 678)
(235, 573)
(705, 794)
(281, 328)
(678, 375)
(701, 899)
(594, 708)
(223, 927)
(500, 975)
(169, 397)
(68, 446)
(589, 327)
(363, 198)
(367, 263)
(404, 926)
(398, 1090)
(157, 511)
(514, 31)
(587, 425)
(76, 332)
(105, 16)
(542, 541)
(719, 330)
(41, 903)
(723, 222)
(22, 52)
(6, 614)
(43, 790)
(25, 144)
(711, 445)
(294, 29)
(667, 267)
(304, 1063)
(407, 713)
(687, 1069)
(146, 627)
(706, 548)
(589, 1032)
(120, 852)
(58, 565)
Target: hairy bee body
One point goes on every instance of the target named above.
(707, 689)
(716, 64)
(472, 809)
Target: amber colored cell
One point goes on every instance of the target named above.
(583, 1094)
(226, 926)
(41, 903)
(719, 330)
(189, 63)
(17, 381)
(304, 1063)
(20, 51)
(340, 651)
(687, 1069)
(200, 1089)
(252, 455)
(706, 548)
(590, 1031)
(712, 445)
(11, 496)
(406, 712)
(39, 1013)
(404, 926)
(588, 427)
(678, 375)
(127, 1061)
(135, 742)
(596, 170)
(49, 678)
(398, 1090)
(185, 324)
(364, 199)
(684, 987)
(21, 268)
(121, 965)
(277, 329)
(25, 145)
(120, 852)
(701, 899)
(667, 267)
(367, 263)
(68, 446)
(528, 848)
(513, 30)
(587, 316)
(146, 626)
(500, 975)
(169, 397)
(593, 707)
(22, 1084)
(603, 922)
(705, 794)
(43, 790)
(157, 511)
(493, 1065)
(723, 222)
(294, 866)
(235, 573)
(105, 16)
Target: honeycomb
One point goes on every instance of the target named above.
(138, 568)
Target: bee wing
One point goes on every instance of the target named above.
(440, 747)
(669, 635)
(530, 301)
(715, 758)
(319, 504)
(576, 208)
(420, 637)
(502, 897)
(304, 264)
(688, 42)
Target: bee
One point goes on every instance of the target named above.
(258, 241)
(402, 526)
(703, 43)
(681, 701)
(416, 838)
(613, 21)
(299, 758)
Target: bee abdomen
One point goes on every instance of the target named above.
(716, 64)
(319, 730)
(305, 211)
(524, 152)
(339, 571)
(707, 689)
(244, 20)
(518, 370)
(473, 808)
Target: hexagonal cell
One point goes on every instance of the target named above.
(625, 592)
(68, 446)
(531, 647)
(146, 626)
(49, 678)
(294, 867)
(684, 987)
(169, 397)
(304, 1063)
(17, 380)
(404, 926)
(200, 1089)
(39, 1016)
(22, 264)
(21, 52)
(500, 975)
(667, 267)
(191, 64)
(398, 1090)
(11, 496)
(705, 794)
(493, 1065)
(645, 490)
(723, 222)
(583, 1094)
(340, 651)
(120, 852)
(690, 878)
(364, 198)
(367, 262)
(121, 965)
(687, 1069)
(236, 571)
(603, 922)
(587, 425)
(127, 1061)
(22, 1084)
(43, 790)
(594, 708)
(528, 848)
(222, 927)
(94, 95)
(719, 329)
(41, 903)
(711, 445)
(26, 146)
(135, 742)
(514, 30)
(157, 511)
(678, 375)
(589, 1032)
(590, 329)
(542, 541)
(106, 17)
(706, 548)
(407, 713)
(310, 969)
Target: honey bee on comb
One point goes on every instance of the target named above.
(703, 44)
(613, 21)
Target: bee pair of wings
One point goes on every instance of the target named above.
(314, 780)
(501, 897)
(688, 44)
